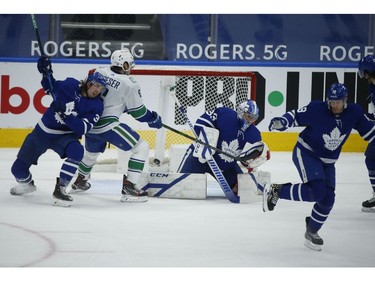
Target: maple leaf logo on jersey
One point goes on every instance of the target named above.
(334, 140)
(58, 118)
(231, 148)
(69, 109)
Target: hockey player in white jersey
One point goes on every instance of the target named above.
(123, 96)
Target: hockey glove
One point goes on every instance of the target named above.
(156, 121)
(44, 66)
(278, 123)
(202, 152)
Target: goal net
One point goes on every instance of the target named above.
(197, 90)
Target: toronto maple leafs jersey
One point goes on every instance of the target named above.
(72, 113)
(325, 132)
(123, 95)
(371, 99)
(231, 138)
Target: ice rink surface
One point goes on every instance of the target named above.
(100, 231)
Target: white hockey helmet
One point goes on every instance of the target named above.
(120, 57)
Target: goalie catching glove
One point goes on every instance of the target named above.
(207, 135)
(257, 154)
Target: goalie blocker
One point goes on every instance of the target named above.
(194, 186)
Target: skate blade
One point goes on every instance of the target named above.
(62, 203)
(312, 246)
(134, 199)
(368, 210)
(265, 196)
(21, 191)
(76, 191)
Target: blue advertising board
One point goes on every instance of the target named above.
(289, 38)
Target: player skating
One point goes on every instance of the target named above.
(75, 110)
(328, 125)
(366, 70)
(123, 96)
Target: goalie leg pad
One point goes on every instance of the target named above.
(174, 185)
(248, 189)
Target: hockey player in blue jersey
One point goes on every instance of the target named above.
(74, 111)
(366, 70)
(232, 132)
(327, 126)
(123, 96)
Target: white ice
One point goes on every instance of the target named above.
(100, 231)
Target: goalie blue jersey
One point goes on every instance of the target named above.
(325, 132)
(231, 138)
(71, 112)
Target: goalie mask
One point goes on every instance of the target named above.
(247, 113)
(120, 57)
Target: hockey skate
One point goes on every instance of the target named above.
(270, 196)
(63, 199)
(369, 205)
(313, 240)
(80, 185)
(131, 194)
(23, 188)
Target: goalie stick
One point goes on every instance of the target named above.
(252, 155)
(211, 162)
(42, 54)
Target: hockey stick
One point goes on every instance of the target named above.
(211, 162)
(252, 155)
(42, 54)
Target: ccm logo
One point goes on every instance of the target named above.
(159, 175)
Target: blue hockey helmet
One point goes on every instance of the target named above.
(337, 91)
(96, 78)
(366, 64)
(248, 113)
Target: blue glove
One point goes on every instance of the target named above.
(155, 121)
(44, 66)
(278, 123)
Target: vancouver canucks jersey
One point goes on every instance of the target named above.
(70, 112)
(231, 138)
(123, 95)
(325, 132)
